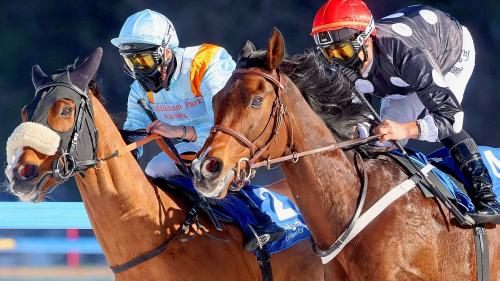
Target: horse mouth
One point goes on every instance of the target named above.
(216, 188)
(24, 190)
(27, 190)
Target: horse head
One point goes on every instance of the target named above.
(250, 120)
(57, 133)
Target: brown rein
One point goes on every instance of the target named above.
(280, 113)
(142, 142)
(296, 155)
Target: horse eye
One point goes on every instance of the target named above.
(257, 102)
(66, 112)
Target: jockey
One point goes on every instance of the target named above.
(178, 85)
(418, 60)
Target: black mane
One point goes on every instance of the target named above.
(328, 93)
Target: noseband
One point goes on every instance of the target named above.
(279, 113)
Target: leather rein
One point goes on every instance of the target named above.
(66, 166)
(279, 114)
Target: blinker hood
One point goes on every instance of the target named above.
(60, 86)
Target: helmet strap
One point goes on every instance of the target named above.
(360, 40)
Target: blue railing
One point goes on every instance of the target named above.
(45, 215)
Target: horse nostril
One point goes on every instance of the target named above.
(211, 167)
(26, 172)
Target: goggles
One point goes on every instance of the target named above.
(144, 62)
(343, 45)
(340, 52)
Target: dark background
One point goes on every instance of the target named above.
(54, 33)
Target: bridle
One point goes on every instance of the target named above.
(67, 165)
(68, 162)
(279, 115)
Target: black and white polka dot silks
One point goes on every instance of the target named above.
(413, 48)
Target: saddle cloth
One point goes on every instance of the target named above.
(233, 210)
(449, 175)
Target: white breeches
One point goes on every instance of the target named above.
(161, 166)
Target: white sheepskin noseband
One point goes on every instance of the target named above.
(34, 135)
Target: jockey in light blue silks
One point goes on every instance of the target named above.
(178, 84)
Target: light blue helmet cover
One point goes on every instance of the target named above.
(147, 27)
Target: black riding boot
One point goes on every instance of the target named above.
(466, 155)
(264, 231)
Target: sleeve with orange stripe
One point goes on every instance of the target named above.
(211, 68)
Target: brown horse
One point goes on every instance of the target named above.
(130, 216)
(411, 240)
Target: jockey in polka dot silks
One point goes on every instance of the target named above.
(178, 85)
(418, 60)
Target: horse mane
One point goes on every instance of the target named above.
(96, 89)
(327, 92)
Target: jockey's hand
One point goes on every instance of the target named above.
(165, 130)
(391, 130)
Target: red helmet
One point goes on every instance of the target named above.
(340, 30)
(339, 14)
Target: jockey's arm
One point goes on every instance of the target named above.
(422, 73)
(136, 117)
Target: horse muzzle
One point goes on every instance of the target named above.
(209, 177)
(25, 179)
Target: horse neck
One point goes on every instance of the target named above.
(325, 185)
(128, 214)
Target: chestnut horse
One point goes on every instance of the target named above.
(130, 216)
(411, 240)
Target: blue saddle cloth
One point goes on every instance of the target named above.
(441, 157)
(281, 210)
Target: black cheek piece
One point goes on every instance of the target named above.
(79, 143)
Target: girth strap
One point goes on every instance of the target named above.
(360, 168)
(192, 216)
(264, 261)
(375, 210)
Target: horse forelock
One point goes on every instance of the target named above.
(255, 59)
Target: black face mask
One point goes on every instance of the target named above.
(156, 80)
(356, 63)
(149, 82)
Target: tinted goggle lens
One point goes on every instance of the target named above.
(141, 61)
(339, 52)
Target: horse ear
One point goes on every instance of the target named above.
(82, 75)
(38, 76)
(275, 49)
(247, 50)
